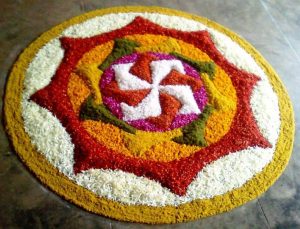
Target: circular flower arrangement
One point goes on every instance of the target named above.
(149, 115)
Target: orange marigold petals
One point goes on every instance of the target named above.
(92, 74)
(216, 98)
(169, 151)
(107, 134)
(78, 91)
(168, 46)
(144, 141)
(97, 54)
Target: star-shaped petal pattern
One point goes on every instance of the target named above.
(175, 175)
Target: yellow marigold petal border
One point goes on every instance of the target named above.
(59, 183)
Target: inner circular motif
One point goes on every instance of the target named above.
(153, 91)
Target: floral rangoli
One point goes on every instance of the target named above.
(149, 115)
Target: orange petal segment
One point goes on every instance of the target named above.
(131, 97)
(141, 68)
(177, 78)
(170, 107)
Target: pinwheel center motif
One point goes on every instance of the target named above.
(154, 90)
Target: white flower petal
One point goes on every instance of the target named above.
(127, 81)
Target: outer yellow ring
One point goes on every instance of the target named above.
(59, 183)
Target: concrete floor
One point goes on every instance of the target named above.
(272, 26)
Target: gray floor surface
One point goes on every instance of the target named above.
(272, 26)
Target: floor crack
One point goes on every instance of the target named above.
(269, 226)
(82, 5)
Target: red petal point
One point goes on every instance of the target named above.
(170, 107)
(141, 68)
(177, 78)
(131, 97)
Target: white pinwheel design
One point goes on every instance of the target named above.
(150, 105)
